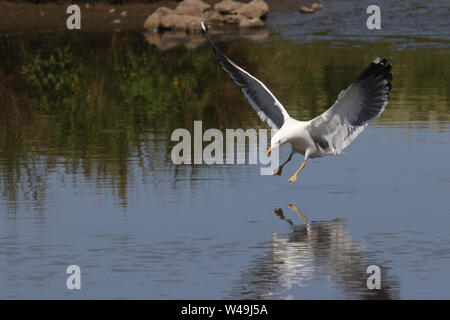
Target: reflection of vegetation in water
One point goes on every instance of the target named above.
(85, 101)
(91, 108)
(54, 80)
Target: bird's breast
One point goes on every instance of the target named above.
(300, 144)
(298, 136)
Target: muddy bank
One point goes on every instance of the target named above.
(18, 17)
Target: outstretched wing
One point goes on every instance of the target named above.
(362, 101)
(261, 99)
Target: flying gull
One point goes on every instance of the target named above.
(327, 134)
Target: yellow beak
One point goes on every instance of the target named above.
(269, 151)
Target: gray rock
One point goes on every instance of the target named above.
(167, 19)
(245, 22)
(228, 6)
(189, 13)
(232, 18)
(306, 10)
(316, 6)
(181, 22)
(153, 21)
(192, 7)
(215, 16)
(254, 9)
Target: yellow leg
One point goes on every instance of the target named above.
(294, 177)
(280, 168)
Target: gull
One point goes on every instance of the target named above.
(330, 132)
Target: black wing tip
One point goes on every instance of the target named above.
(378, 67)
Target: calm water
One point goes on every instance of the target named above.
(86, 176)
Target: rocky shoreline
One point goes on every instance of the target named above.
(163, 15)
(189, 13)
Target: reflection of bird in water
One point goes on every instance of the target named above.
(327, 134)
(310, 252)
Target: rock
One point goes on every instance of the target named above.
(243, 21)
(254, 9)
(232, 18)
(167, 19)
(228, 6)
(112, 10)
(181, 22)
(117, 21)
(246, 22)
(153, 21)
(189, 13)
(316, 6)
(215, 16)
(306, 10)
(124, 13)
(192, 7)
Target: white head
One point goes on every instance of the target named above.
(277, 141)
